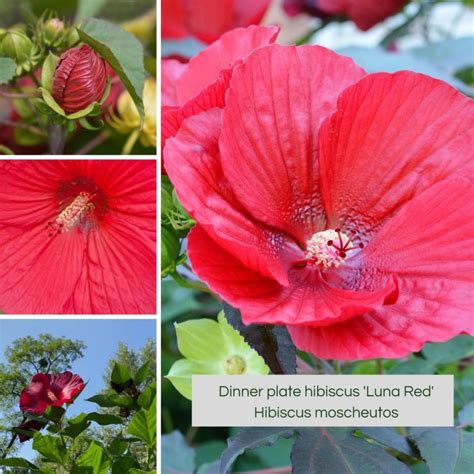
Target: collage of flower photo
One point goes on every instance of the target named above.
(78, 237)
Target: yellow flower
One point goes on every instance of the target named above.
(127, 120)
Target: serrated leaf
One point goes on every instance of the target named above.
(331, 450)
(143, 425)
(92, 461)
(177, 455)
(18, 462)
(122, 51)
(445, 450)
(273, 343)
(250, 438)
(7, 70)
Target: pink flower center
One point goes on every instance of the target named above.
(329, 248)
(72, 214)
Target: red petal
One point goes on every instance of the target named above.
(204, 68)
(364, 13)
(34, 397)
(277, 100)
(173, 17)
(391, 137)
(170, 72)
(193, 165)
(429, 244)
(67, 385)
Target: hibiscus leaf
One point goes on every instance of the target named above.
(389, 438)
(122, 51)
(54, 413)
(7, 70)
(18, 462)
(273, 343)
(329, 450)
(142, 373)
(445, 450)
(50, 447)
(250, 438)
(92, 461)
(143, 425)
(466, 415)
(121, 377)
(177, 455)
(102, 400)
(451, 351)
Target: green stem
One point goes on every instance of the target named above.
(194, 285)
(4, 150)
(130, 143)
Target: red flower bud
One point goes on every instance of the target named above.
(80, 79)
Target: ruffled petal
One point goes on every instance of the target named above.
(429, 244)
(204, 68)
(67, 385)
(392, 136)
(34, 397)
(274, 107)
(171, 69)
(193, 164)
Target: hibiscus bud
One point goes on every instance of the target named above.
(80, 79)
(16, 45)
(53, 30)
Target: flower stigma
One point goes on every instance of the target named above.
(234, 365)
(329, 248)
(73, 214)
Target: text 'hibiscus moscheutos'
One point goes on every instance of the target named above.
(335, 202)
(78, 236)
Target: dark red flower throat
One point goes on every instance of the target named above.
(81, 204)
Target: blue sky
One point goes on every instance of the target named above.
(101, 338)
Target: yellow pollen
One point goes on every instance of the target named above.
(327, 249)
(72, 214)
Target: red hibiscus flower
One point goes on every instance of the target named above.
(333, 202)
(364, 13)
(207, 20)
(201, 84)
(78, 236)
(46, 390)
(29, 426)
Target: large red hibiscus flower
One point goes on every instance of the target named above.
(50, 390)
(201, 84)
(78, 236)
(334, 202)
(364, 13)
(207, 20)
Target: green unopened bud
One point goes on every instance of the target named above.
(17, 46)
(54, 31)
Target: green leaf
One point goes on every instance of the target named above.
(466, 415)
(146, 397)
(117, 447)
(102, 400)
(18, 462)
(50, 447)
(122, 401)
(330, 450)
(88, 8)
(445, 450)
(121, 375)
(451, 351)
(250, 438)
(7, 70)
(177, 456)
(273, 343)
(123, 464)
(143, 425)
(389, 438)
(92, 461)
(142, 373)
(413, 366)
(122, 51)
(54, 413)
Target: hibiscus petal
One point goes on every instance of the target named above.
(193, 164)
(171, 69)
(67, 385)
(307, 300)
(392, 136)
(429, 245)
(34, 397)
(274, 107)
(172, 25)
(204, 68)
